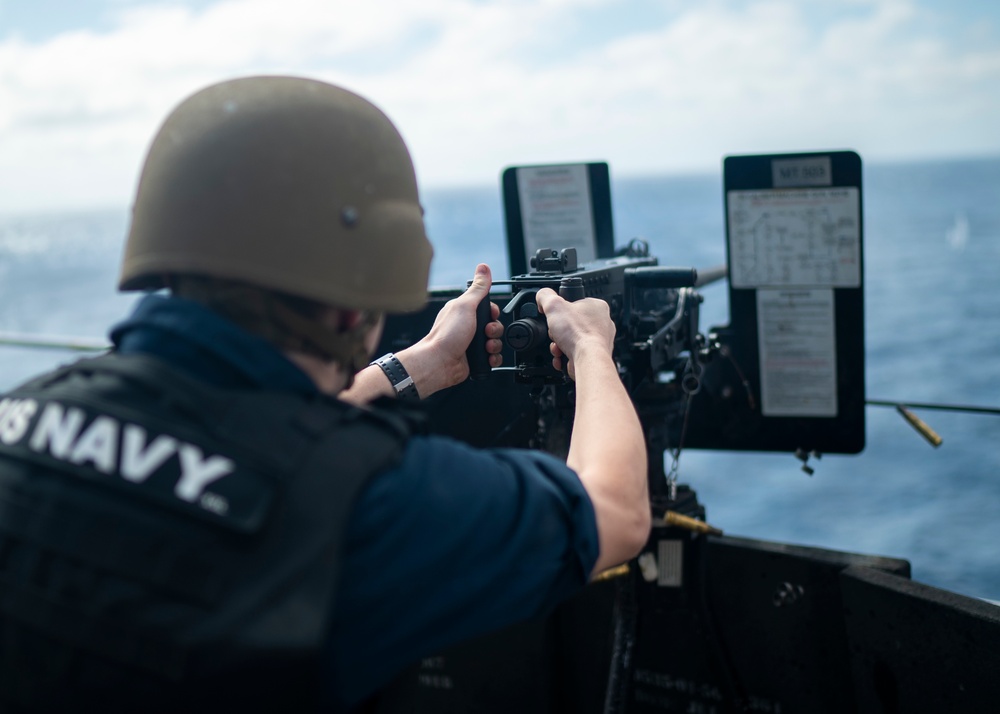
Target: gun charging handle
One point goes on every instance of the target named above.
(475, 353)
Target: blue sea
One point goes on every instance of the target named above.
(932, 330)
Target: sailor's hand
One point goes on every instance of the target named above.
(438, 361)
(578, 329)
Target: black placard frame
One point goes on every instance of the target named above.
(599, 182)
(754, 430)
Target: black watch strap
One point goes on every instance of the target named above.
(399, 378)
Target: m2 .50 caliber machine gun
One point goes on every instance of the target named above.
(659, 351)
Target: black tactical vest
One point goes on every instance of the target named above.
(170, 546)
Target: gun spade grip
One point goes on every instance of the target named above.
(475, 353)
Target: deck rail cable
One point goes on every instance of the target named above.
(54, 342)
(941, 407)
(921, 427)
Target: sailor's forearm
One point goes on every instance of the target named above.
(608, 451)
(424, 364)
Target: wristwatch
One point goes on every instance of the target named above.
(399, 378)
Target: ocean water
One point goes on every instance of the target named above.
(932, 330)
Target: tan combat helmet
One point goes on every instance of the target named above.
(287, 184)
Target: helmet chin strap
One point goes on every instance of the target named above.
(288, 322)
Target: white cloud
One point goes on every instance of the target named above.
(478, 85)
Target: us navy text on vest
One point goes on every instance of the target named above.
(112, 447)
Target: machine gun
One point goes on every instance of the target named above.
(659, 351)
(654, 308)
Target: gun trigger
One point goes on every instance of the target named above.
(515, 302)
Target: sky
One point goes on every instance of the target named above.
(651, 86)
